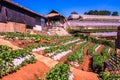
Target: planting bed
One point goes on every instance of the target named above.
(83, 52)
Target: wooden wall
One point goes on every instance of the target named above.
(117, 42)
(12, 27)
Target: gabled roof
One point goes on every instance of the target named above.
(53, 13)
(21, 7)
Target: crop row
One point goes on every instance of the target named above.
(78, 53)
(54, 50)
(37, 46)
(105, 52)
(35, 37)
(60, 71)
(99, 60)
(97, 41)
(73, 31)
(108, 76)
(92, 49)
(12, 60)
(67, 39)
(4, 48)
(113, 63)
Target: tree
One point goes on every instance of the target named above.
(74, 12)
(85, 13)
(104, 12)
(96, 12)
(115, 13)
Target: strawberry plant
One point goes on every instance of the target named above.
(91, 50)
(78, 53)
(14, 59)
(58, 72)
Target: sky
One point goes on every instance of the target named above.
(65, 7)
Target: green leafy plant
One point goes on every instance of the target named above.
(98, 62)
(59, 72)
(8, 63)
(78, 53)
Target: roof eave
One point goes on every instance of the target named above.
(17, 5)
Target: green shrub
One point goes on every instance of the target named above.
(98, 62)
(59, 72)
(108, 76)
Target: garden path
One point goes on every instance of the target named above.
(5, 42)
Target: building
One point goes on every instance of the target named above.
(117, 42)
(93, 21)
(118, 39)
(15, 18)
(54, 19)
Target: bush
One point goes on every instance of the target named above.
(59, 72)
(98, 41)
(98, 62)
(74, 31)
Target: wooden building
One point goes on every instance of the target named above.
(93, 21)
(118, 39)
(54, 19)
(15, 18)
(117, 42)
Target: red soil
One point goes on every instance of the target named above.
(40, 52)
(86, 63)
(78, 74)
(83, 75)
(118, 52)
(29, 72)
(100, 49)
(64, 58)
(111, 50)
(75, 47)
(38, 69)
(86, 59)
(87, 47)
(22, 43)
(43, 41)
(54, 40)
(7, 43)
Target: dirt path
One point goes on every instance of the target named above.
(87, 47)
(29, 72)
(100, 49)
(38, 69)
(7, 43)
(83, 75)
(43, 65)
(48, 61)
(78, 74)
(86, 63)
